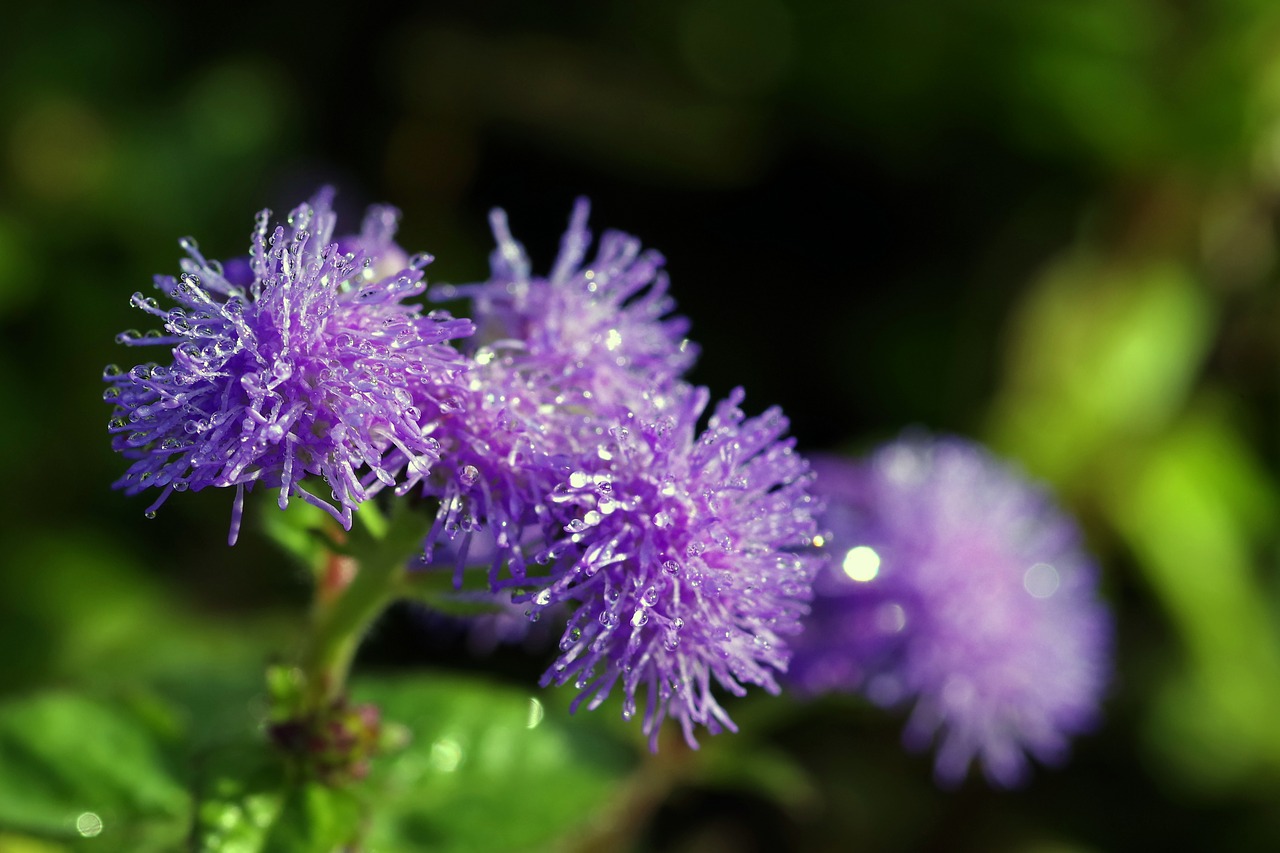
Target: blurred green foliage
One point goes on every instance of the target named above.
(1051, 225)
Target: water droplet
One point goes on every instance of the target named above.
(639, 617)
(151, 513)
(650, 597)
(543, 598)
(578, 479)
(469, 475)
(189, 244)
(128, 336)
(671, 567)
(661, 519)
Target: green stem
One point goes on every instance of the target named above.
(351, 595)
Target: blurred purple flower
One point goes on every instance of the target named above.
(959, 585)
(301, 361)
(687, 558)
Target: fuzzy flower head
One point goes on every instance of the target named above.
(603, 326)
(687, 559)
(550, 352)
(958, 585)
(301, 360)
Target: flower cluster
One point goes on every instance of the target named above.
(958, 586)
(300, 360)
(679, 540)
(684, 554)
(562, 443)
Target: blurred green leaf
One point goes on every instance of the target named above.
(1195, 509)
(315, 819)
(249, 805)
(487, 768)
(1100, 355)
(99, 616)
(73, 767)
(301, 530)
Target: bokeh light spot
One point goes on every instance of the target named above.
(536, 714)
(89, 824)
(1041, 580)
(861, 563)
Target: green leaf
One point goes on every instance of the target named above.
(315, 819)
(487, 767)
(1099, 355)
(1195, 509)
(241, 794)
(72, 767)
(301, 530)
(249, 804)
(88, 615)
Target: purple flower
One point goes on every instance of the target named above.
(301, 361)
(686, 558)
(603, 326)
(959, 585)
(549, 354)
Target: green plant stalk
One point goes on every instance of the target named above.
(351, 594)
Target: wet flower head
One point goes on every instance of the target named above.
(551, 354)
(687, 557)
(300, 360)
(604, 325)
(959, 586)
